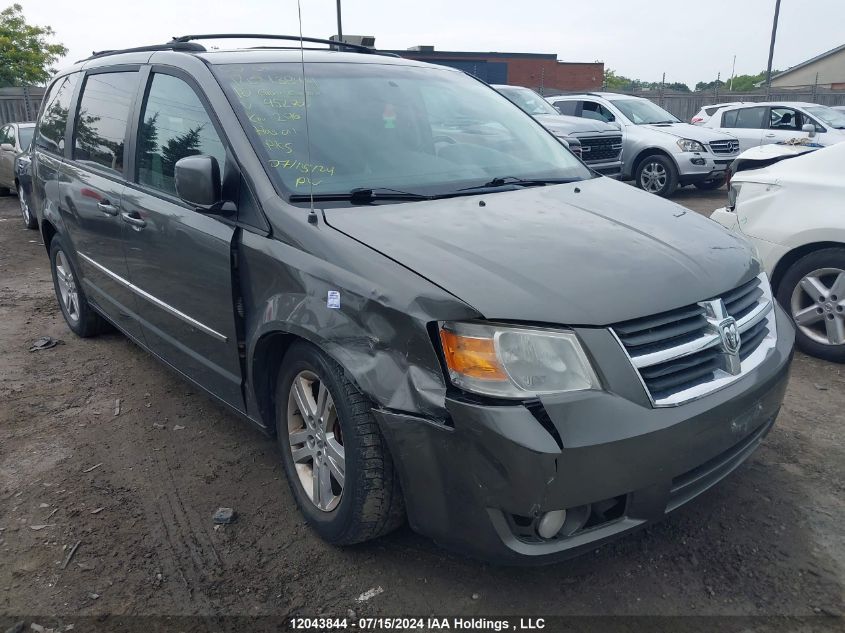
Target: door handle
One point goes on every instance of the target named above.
(770, 135)
(133, 218)
(106, 207)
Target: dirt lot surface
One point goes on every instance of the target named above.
(136, 490)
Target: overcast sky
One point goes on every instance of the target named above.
(689, 40)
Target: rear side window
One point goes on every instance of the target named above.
(711, 110)
(749, 118)
(567, 107)
(51, 126)
(174, 125)
(100, 129)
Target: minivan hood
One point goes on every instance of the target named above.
(589, 253)
(562, 125)
(685, 130)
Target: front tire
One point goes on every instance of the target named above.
(29, 219)
(79, 316)
(813, 293)
(657, 174)
(337, 463)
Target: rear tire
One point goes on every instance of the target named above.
(5, 191)
(79, 316)
(657, 174)
(812, 292)
(353, 490)
(710, 185)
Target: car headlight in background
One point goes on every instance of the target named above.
(514, 362)
(688, 145)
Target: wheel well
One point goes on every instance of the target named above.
(47, 233)
(266, 363)
(793, 256)
(651, 151)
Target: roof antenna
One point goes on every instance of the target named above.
(312, 215)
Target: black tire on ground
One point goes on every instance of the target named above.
(5, 191)
(830, 258)
(657, 174)
(29, 219)
(710, 185)
(371, 502)
(86, 322)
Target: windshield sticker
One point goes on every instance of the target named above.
(333, 300)
(389, 116)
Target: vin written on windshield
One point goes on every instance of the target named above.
(420, 130)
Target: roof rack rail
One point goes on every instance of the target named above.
(266, 36)
(171, 46)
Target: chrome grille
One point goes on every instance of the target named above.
(724, 147)
(600, 148)
(686, 353)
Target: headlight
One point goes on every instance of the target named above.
(688, 145)
(514, 362)
(733, 194)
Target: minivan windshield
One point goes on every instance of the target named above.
(413, 130)
(828, 116)
(643, 111)
(528, 100)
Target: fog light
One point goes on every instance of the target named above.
(550, 523)
(697, 161)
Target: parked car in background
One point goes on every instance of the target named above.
(660, 152)
(791, 209)
(756, 124)
(838, 108)
(14, 139)
(599, 143)
(702, 116)
(468, 328)
(23, 185)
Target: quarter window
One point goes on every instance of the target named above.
(174, 125)
(51, 126)
(100, 129)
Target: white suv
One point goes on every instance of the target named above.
(762, 123)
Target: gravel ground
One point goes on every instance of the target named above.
(136, 491)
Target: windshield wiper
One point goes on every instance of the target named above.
(504, 181)
(360, 194)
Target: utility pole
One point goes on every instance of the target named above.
(733, 70)
(772, 50)
(716, 86)
(340, 27)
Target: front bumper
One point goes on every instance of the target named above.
(611, 169)
(701, 166)
(471, 484)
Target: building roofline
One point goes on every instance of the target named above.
(809, 61)
(470, 54)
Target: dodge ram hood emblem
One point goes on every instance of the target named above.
(730, 335)
(725, 326)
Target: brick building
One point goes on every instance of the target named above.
(540, 71)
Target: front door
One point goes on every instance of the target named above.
(179, 259)
(91, 188)
(784, 124)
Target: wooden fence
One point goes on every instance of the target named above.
(20, 104)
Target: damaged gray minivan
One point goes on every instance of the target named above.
(439, 311)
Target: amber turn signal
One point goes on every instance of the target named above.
(471, 357)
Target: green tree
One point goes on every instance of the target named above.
(178, 147)
(26, 55)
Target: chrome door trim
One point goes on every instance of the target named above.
(156, 301)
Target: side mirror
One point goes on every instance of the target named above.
(809, 128)
(198, 183)
(7, 147)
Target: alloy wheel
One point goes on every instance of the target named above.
(67, 286)
(653, 177)
(818, 306)
(316, 441)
